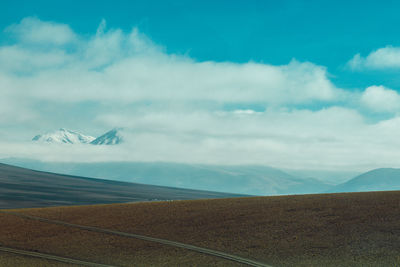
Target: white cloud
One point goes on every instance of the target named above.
(381, 99)
(18, 59)
(177, 79)
(31, 30)
(117, 66)
(382, 58)
(245, 112)
(13, 109)
(178, 109)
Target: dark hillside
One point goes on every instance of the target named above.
(23, 188)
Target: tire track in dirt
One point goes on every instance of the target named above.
(51, 257)
(207, 251)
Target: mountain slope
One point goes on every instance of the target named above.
(254, 180)
(375, 180)
(64, 136)
(21, 188)
(113, 137)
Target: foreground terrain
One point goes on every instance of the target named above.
(353, 229)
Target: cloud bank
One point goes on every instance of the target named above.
(175, 108)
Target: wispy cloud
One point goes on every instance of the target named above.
(33, 31)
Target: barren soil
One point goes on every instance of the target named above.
(353, 229)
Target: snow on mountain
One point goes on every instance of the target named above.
(113, 137)
(64, 136)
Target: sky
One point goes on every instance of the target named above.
(289, 84)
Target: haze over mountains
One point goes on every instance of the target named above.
(65, 136)
(252, 180)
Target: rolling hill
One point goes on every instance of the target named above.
(21, 187)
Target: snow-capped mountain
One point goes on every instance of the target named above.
(113, 137)
(64, 136)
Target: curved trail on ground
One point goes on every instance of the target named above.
(147, 238)
(51, 257)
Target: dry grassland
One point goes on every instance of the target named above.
(357, 229)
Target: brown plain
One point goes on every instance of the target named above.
(352, 229)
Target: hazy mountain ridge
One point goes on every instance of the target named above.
(375, 180)
(255, 180)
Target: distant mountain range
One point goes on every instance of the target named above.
(252, 180)
(65, 136)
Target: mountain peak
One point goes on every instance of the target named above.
(112, 137)
(63, 136)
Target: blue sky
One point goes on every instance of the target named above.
(325, 33)
(251, 81)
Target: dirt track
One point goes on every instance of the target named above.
(51, 257)
(142, 237)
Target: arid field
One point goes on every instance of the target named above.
(353, 229)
